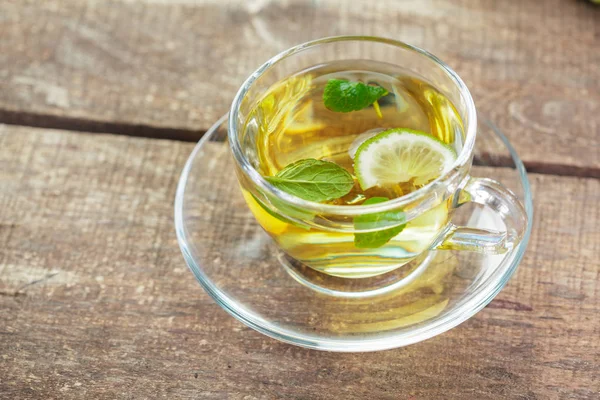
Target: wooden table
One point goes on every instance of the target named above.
(100, 102)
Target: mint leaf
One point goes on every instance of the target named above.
(371, 240)
(345, 96)
(313, 180)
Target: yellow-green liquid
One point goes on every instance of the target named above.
(291, 123)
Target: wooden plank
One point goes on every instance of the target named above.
(97, 302)
(170, 69)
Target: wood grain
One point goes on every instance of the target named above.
(170, 69)
(96, 300)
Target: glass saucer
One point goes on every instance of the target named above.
(236, 262)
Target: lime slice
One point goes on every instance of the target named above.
(267, 220)
(399, 155)
(363, 137)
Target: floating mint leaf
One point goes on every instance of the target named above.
(345, 96)
(370, 240)
(313, 180)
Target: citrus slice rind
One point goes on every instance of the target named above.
(399, 155)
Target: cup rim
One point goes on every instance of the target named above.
(350, 210)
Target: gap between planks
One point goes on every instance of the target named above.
(82, 125)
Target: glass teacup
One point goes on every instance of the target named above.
(323, 236)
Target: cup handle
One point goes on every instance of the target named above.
(490, 193)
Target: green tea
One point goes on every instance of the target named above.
(292, 123)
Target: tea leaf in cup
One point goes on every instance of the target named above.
(345, 96)
(370, 240)
(313, 180)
